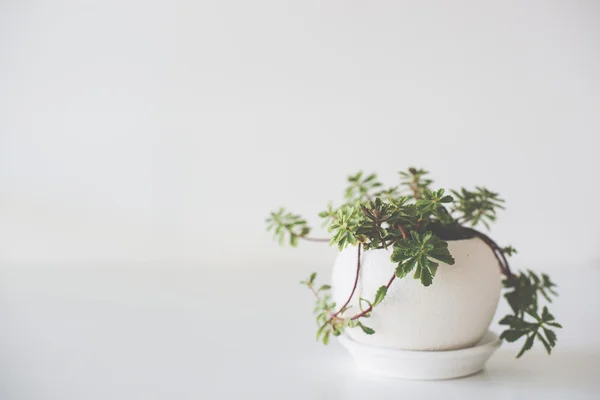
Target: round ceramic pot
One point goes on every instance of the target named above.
(454, 312)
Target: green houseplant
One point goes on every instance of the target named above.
(414, 223)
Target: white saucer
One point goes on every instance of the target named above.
(424, 365)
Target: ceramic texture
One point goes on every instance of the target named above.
(423, 365)
(454, 312)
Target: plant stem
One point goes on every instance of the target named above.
(355, 283)
(370, 308)
(415, 187)
(418, 225)
(312, 289)
(504, 267)
(402, 231)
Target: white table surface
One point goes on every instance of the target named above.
(239, 333)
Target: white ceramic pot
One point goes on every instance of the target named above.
(454, 312)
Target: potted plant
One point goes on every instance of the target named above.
(415, 278)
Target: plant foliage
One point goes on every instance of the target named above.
(415, 221)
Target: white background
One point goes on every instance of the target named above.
(164, 132)
(142, 144)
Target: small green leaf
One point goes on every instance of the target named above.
(513, 321)
(443, 255)
(324, 287)
(380, 295)
(361, 300)
(513, 300)
(366, 329)
(512, 335)
(545, 343)
(311, 280)
(546, 316)
(551, 336)
(321, 330)
(326, 338)
(425, 276)
(527, 346)
(351, 323)
(322, 318)
(404, 269)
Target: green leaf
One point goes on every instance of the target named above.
(532, 312)
(513, 300)
(546, 316)
(321, 330)
(326, 337)
(359, 189)
(311, 280)
(425, 275)
(551, 336)
(283, 224)
(350, 323)
(417, 182)
(544, 342)
(324, 287)
(322, 318)
(361, 300)
(513, 321)
(527, 346)
(380, 295)
(440, 251)
(474, 206)
(512, 335)
(366, 329)
(370, 178)
(404, 269)
(415, 253)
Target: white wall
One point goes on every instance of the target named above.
(163, 132)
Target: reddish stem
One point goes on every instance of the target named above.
(312, 289)
(418, 226)
(355, 284)
(504, 267)
(368, 310)
(402, 231)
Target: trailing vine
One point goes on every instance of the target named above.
(416, 222)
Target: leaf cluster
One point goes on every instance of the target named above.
(331, 322)
(414, 220)
(344, 226)
(359, 187)
(523, 296)
(538, 329)
(477, 206)
(526, 290)
(416, 254)
(285, 224)
(415, 180)
(381, 221)
(430, 206)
